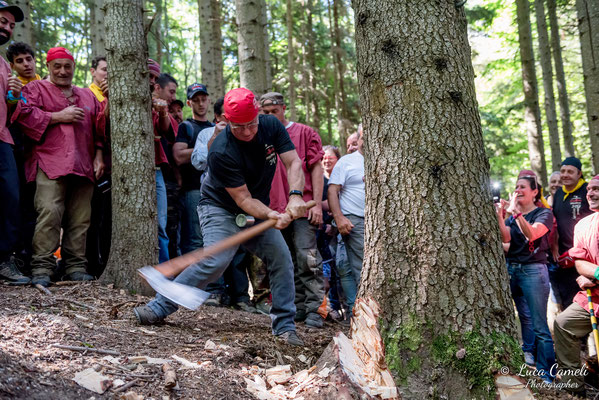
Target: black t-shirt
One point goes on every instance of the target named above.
(567, 214)
(233, 163)
(520, 249)
(188, 133)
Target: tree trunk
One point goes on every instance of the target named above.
(252, 48)
(212, 55)
(432, 253)
(157, 25)
(97, 30)
(23, 31)
(342, 113)
(134, 226)
(547, 69)
(291, 94)
(313, 110)
(560, 77)
(588, 26)
(264, 23)
(532, 113)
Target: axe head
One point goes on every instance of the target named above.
(187, 296)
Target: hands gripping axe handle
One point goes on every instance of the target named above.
(187, 296)
(593, 320)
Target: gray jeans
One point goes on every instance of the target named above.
(218, 224)
(300, 236)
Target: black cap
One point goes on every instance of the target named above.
(194, 89)
(573, 161)
(179, 102)
(14, 10)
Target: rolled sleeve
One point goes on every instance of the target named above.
(314, 154)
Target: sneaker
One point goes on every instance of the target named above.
(213, 300)
(290, 338)
(145, 316)
(42, 280)
(263, 307)
(300, 315)
(345, 322)
(247, 307)
(314, 320)
(529, 359)
(79, 276)
(10, 272)
(335, 315)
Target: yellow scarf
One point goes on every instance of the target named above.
(578, 185)
(97, 92)
(25, 81)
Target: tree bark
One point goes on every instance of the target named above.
(23, 31)
(134, 215)
(313, 110)
(157, 25)
(532, 112)
(560, 78)
(251, 20)
(432, 253)
(97, 30)
(342, 112)
(211, 50)
(588, 27)
(291, 94)
(547, 70)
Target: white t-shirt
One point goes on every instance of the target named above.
(349, 174)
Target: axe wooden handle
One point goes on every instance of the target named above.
(174, 267)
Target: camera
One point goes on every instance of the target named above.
(496, 191)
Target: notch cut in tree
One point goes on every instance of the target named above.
(134, 215)
(432, 254)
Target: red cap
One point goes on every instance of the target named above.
(595, 178)
(58, 52)
(240, 106)
(154, 67)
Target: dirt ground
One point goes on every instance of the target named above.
(99, 317)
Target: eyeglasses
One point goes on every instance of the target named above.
(241, 128)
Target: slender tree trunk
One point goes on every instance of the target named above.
(165, 33)
(588, 26)
(291, 94)
(547, 69)
(158, 31)
(560, 77)
(134, 226)
(343, 114)
(432, 253)
(314, 110)
(23, 31)
(210, 43)
(532, 113)
(251, 19)
(97, 29)
(264, 23)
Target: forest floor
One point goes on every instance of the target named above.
(221, 343)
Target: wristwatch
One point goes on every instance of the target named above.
(296, 192)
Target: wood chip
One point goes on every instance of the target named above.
(170, 377)
(92, 380)
(210, 345)
(131, 395)
(186, 363)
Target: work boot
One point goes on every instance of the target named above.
(300, 315)
(290, 338)
(314, 320)
(42, 280)
(335, 315)
(247, 307)
(79, 276)
(145, 316)
(10, 272)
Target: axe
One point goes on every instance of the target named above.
(188, 296)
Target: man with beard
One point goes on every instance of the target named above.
(66, 125)
(10, 87)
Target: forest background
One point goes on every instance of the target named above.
(317, 38)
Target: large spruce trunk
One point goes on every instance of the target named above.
(547, 70)
(532, 112)
(588, 27)
(252, 45)
(433, 258)
(134, 216)
(212, 55)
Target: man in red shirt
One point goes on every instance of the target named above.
(66, 125)
(574, 323)
(301, 233)
(10, 90)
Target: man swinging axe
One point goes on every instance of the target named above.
(241, 165)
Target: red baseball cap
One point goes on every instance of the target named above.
(58, 52)
(240, 106)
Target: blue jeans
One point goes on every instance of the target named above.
(218, 224)
(162, 207)
(529, 284)
(350, 254)
(191, 233)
